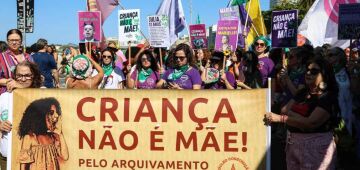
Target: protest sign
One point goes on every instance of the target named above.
(226, 35)
(129, 27)
(284, 28)
(230, 13)
(89, 26)
(159, 30)
(29, 15)
(198, 36)
(137, 129)
(349, 21)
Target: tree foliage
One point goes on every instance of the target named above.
(302, 6)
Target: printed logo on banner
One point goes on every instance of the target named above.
(233, 163)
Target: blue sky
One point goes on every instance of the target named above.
(56, 20)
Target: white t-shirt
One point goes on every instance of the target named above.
(116, 77)
(5, 114)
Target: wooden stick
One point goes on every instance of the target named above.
(129, 49)
(161, 61)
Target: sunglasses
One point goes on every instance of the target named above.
(181, 58)
(259, 44)
(106, 56)
(145, 59)
(313, 71)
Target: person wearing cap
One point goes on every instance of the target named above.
(120, 57)
(214, 77)
(261, 47)
(184, 74)
(80, 73)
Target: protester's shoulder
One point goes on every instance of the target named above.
(118, 70)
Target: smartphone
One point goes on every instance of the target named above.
(82, 48)
(67, 51)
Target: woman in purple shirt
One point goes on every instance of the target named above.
(215, 77)
(184, 74)
(146, 74)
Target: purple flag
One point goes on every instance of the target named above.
(174, 10)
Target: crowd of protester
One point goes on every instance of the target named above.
(315, 99)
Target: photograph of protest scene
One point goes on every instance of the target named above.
(180, 84)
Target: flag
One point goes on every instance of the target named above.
(104, 6)
(320, 25)
(238, 2)
(198, 21)
(242, 15)
(174, 10)
(258, 26)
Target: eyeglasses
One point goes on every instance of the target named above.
(21, 76)
(259, 44)
(14, 41)
(313, 71)
(145, 59)
(107, 56)
(181, 58)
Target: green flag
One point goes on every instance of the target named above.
(198, 20)
(238, 2)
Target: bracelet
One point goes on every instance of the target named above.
(283, 118)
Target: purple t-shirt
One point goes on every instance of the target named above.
(266, 67)
(187, 80)
(149, 83)
(221, 85)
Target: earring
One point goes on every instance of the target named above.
(322, 86)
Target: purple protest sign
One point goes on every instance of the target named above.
(284, 28)
(198, 36)
(89, 26)
(226, 35)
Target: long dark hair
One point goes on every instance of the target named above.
(327, 74)
(112, 57)
(36, 80)
(34, 117)
(188, 53)
(251, 70)
(148, 54)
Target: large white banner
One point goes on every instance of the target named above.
(159, 30)
(129, 27)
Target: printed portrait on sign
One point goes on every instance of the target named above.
(43, 144)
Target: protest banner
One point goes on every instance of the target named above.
(129, 27)
(159, 30)
(226, 35)
(89, 26)
(284, 28)
(349, 21)
(135, 129)
(28, 5)
(198, 36)
(230, 13)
